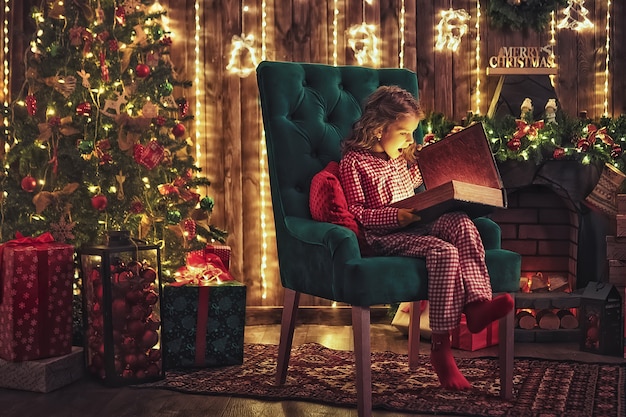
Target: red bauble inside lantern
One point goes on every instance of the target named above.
(29, 184)
(178, 130)
(142, 70)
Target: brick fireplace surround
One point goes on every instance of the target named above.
(548, 223)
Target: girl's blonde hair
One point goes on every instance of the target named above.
(383, 107)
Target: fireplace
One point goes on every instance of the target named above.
(561, 239)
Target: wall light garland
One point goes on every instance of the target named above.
(263, 183)
(607, 59)
(451, 28)
(363, 41)
(6, 65)
(478, 68)
(243, 55)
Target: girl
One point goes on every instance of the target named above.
(378, 168)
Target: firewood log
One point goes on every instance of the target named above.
(547, 320)
(525, 320)
(568, 320)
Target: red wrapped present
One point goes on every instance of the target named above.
(463, 339)
(36, 276)
(223, 251)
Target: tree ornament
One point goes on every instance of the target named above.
(159, 121)
(178, 130)
(142, 70)
(551, 108)
(31, 104)
(183, 107)
(207, 203)
(157, 32)
(575, 16)
(583, 144)
(85, 147)
(190, 228)
(166, 88)
(136, 206)
(120, 15)
(451, 29)
(99, 202)
(616, 151)
(83, 109)
(29, 183)
(152, 58)
(173, 217)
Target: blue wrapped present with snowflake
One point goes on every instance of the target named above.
(203, 315)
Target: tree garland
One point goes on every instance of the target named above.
(523, 14)
(587, 141)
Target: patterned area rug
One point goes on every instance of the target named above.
(316, 373)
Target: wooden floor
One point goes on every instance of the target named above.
(88, 398)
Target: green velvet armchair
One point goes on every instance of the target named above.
(307, 110)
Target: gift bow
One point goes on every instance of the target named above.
(526, 129)
(595, 133)
(202, 269)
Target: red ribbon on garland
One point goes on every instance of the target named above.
(601, 133)
(526, 129)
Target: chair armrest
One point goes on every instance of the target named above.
(338, 239)
(489, 232)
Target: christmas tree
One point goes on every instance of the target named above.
(97, 139)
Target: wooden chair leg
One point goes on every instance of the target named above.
(506, 351)
(414, 334)
(362, 359)
(287, 325)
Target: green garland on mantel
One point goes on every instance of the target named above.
(523, 14)
(584, 140)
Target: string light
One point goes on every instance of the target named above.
(478, 70)
(335, 31)
(606, 63)
(263, 172)
(196, 81)
(6, 72)
(402, 23)
(552, 43)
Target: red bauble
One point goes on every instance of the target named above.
(514, 144)
(142, 70)
(29, 184)
(149, 339)
(119, 309)
(99, 202)
(178, 130)
(148, 274)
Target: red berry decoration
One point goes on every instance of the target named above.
(178, 130)
(99, 202)
(29, 184)
(142, 70)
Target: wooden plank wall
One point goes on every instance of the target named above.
(302, 30)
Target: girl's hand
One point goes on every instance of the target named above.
(407, 216)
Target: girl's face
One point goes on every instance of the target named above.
(397, 136)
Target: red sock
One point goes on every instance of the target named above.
(480, 313)
(445, 366)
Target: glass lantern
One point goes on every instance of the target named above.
(122, 310)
